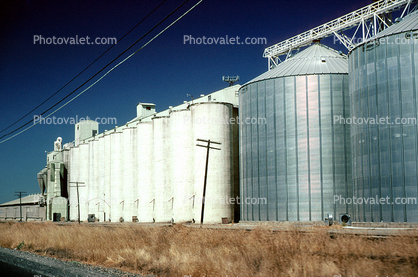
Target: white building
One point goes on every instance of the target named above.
(150, 169)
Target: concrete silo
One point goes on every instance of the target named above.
(117, 201)
(74, 173)
(99, 180)
(130, 180)
(146, 186)
(293, 158)
(162, 168)
(183, 146)
(83, 190)
(213, 121)
(383, 91)
(107, 177)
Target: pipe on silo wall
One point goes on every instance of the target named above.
(383, 79)
(181, 135)
(162, 169)
(210, 121)
(297, 158)
(146, 186)
(116, 181)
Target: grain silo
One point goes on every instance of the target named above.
(150, 169)
(383, 95)
(293, 158)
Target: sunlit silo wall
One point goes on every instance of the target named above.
(293, 158)
(83, 190)
(162, 161)
(211, 121)
(73, 173)
(182, 174)
(146, 187)
(383, 86)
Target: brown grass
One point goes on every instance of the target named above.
(179, 250)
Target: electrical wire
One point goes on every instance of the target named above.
(119, 40)
(155, 26)
(117, 65)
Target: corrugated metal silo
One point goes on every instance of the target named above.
(383, 91)
(293, 158)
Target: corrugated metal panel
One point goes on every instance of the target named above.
(298, 159)
(316, 59)
(384, 156)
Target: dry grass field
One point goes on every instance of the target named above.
(179, 250)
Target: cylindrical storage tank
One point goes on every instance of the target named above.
(293, 158)
(181, 136)
(129, 161)
(162, 169)
(84, 178)
(99, 165)
(92, 193)
(146, 188)
(74, 175)
(107, 178)
(383, 95)
(116, 180)
(211, 121)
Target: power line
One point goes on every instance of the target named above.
(78, 74)
(111, 68)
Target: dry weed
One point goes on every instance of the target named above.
(179, 250)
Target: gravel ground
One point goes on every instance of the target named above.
(19, 263)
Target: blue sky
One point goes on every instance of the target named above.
(162, 73)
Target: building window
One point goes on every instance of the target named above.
(94, 132)
(148, 108)
(209, 97)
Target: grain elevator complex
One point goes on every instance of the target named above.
(307, 160)
(150, 169)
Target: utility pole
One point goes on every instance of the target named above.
(78, 197)
(19, 194)
(206, 170)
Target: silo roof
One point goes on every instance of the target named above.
(408, 23)
(316, 59)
